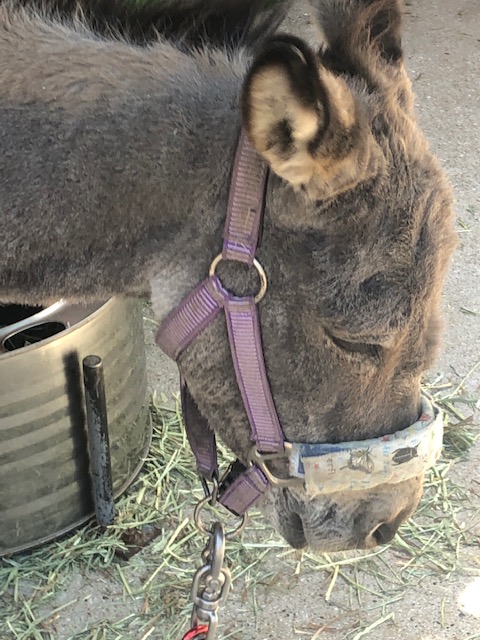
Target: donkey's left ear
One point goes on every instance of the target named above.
(305, 121)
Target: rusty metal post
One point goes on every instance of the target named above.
(99, 444)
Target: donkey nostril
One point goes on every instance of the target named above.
(295, 533)
(384, 533)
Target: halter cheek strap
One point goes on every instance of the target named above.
(321, 468)
(244, 486)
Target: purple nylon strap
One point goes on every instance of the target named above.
(185, 323)
(245, 491)
(246, 347)
(245, 204)
(246, 488)
(200, 437)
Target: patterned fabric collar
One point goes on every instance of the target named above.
(363, 464)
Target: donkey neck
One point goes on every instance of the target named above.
(118, 156)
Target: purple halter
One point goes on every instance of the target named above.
(241, 487)
(310, 465)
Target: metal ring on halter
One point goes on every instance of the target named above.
(260, 270)
(260, 460)
(201, 527)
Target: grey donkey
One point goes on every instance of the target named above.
(115, 163)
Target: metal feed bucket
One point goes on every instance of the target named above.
(45, 481)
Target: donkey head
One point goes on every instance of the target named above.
(356, 240)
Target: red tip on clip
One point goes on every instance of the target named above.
(196, 632)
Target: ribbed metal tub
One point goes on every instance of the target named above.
(45, 487)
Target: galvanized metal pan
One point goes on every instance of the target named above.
(45, 481)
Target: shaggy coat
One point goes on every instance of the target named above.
(115, 162)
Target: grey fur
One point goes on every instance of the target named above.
(114, 177)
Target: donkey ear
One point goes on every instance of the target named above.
(305, 122)
(374, 25)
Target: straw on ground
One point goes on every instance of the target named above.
(156, 582)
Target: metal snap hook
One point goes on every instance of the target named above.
(213, 493)
(210, 587)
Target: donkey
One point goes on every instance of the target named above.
(115, 164)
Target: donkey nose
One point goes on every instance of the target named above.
(382, 534)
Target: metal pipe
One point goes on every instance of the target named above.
(100, 459)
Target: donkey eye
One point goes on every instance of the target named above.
(371, 350)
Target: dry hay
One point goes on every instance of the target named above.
(155, 583)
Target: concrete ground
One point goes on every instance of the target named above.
(443, 52)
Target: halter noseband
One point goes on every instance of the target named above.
(360, 464)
